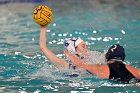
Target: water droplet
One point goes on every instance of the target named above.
(110, 38)
(33, 39)
(54, 24)
(50, 42)
(94, 31)
(99, 38)
(123, 32)
(92, 38)
(116, 38)
(70, 34)
(64, 34)
(53, 34)
(106, 39)
(16, 53)
(48, 30)
(54, 41)
(59, 35)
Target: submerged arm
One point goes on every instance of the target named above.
(48, 53)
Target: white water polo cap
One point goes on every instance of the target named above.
(72, 43)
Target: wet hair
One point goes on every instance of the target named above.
(115, 52)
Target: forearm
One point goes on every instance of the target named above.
(96, 69)
(48, 53)
(53, 58)
(43, 38)
(78, 62)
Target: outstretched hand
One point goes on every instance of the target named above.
(75, 59)
(42, 26)
(66, 53)
(69, 55)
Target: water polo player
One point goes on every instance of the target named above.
(115, 69)
(75, 46)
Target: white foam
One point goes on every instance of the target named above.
(116, 38)
(50, 42)
(62, 40)
(83, 33)
(60, 43)
(48, 30)
(60, 55)
(94, 57)
(92, 38)
(1, 88)
(99, 38)
(94, 31)
(28, 57)
(37, 91)
(53, 34)
(33, 39)
(59, 35)
(23, 91)
(110, 38)
(123, 32)
(48, 87)
(74, 84)
(76, 32)
(70, 34)
(80, 33)
(55, 90)
(64, 34)
(54, 24)
(106, 39)
(54, 41)
(16, 52)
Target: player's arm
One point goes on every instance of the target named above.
(59, 62)
(133, 70)
(101, 71)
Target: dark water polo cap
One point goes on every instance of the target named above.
(115, 52)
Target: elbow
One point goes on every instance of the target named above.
(42, 48)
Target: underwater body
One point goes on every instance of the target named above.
(101, 23)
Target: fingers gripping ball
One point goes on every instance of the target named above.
(42, 15)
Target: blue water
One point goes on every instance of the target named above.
(24, 69)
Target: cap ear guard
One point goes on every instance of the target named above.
(69, 45)
(66, 44)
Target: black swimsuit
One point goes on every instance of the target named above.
(118, 72)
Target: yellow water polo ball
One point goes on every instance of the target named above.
(42, 15)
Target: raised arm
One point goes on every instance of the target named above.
(101, 71)
(59, 62)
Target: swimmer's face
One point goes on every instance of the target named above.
(82, 47)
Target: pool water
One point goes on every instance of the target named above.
(23, 67)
